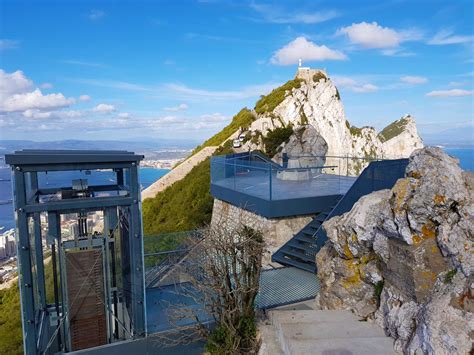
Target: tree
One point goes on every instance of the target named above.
(223, 269)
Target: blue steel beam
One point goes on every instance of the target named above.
(25, 277)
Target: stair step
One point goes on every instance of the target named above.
(314, 224)
(279, 258)
(297, 254)
(310, 316)
(355, 346)
(330, 330)
(303, 238)
(295, 244)
(307, 232)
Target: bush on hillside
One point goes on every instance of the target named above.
(272, 100)
(275, 138)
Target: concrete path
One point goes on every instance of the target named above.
(308, 331)
(178, 172)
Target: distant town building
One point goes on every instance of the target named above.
(7, 244)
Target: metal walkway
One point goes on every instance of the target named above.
(301, 250)
(286, 285)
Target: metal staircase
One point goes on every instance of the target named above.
(300, 251)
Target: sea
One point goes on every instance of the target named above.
(147, 177)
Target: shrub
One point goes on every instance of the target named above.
(243, 119)
(275, 138)
(318, 76)
(272, 100)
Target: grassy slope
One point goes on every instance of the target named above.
(243, 119)
(393, 129)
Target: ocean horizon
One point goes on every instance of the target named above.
(149, 175)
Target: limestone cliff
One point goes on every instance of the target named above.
(405, 257)
(313, 99)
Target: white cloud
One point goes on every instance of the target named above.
(445, 37)
(84, 98)
(307, 51)
(365, 88)
(124, 115)
(13, 83)
(371, 35)
(214, 117)
(46, 86)
(450, 93)
(180, 107)
(104, 108)
(35, 100)
(414, 80)
(36, 114)
(354, 85)
(8, 44)
(273, 14)
(188, 93)
(96, 14)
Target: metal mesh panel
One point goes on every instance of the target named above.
(286, 285)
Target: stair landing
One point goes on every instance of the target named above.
(308, 331)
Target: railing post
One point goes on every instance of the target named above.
(347, 164)
(235, 173)
(270, 185)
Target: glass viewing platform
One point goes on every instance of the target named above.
(302, 185)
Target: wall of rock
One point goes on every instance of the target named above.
(404, 257)
(276, 231)
(316, 103)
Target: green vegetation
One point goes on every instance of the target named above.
(378, 287)
(185, 205)
(393, 130)
(272, 100)
(318, 76)
(303, 118)
(275, 138)
(355, 131)
(449, 276)
(243, 119)
(11, 341)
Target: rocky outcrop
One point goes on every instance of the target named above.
(404, 257)
(306, 144)
(314, 101)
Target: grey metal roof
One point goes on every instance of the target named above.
(46, 156)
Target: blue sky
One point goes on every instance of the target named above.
(182, 69)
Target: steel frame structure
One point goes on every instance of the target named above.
(45, 326)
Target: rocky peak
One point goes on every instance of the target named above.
(313, 99)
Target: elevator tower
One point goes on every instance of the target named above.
(80, 248)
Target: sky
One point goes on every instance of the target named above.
(125, 70)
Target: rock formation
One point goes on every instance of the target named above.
(313, 100)
(404, 257)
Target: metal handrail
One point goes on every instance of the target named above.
(271, 166)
